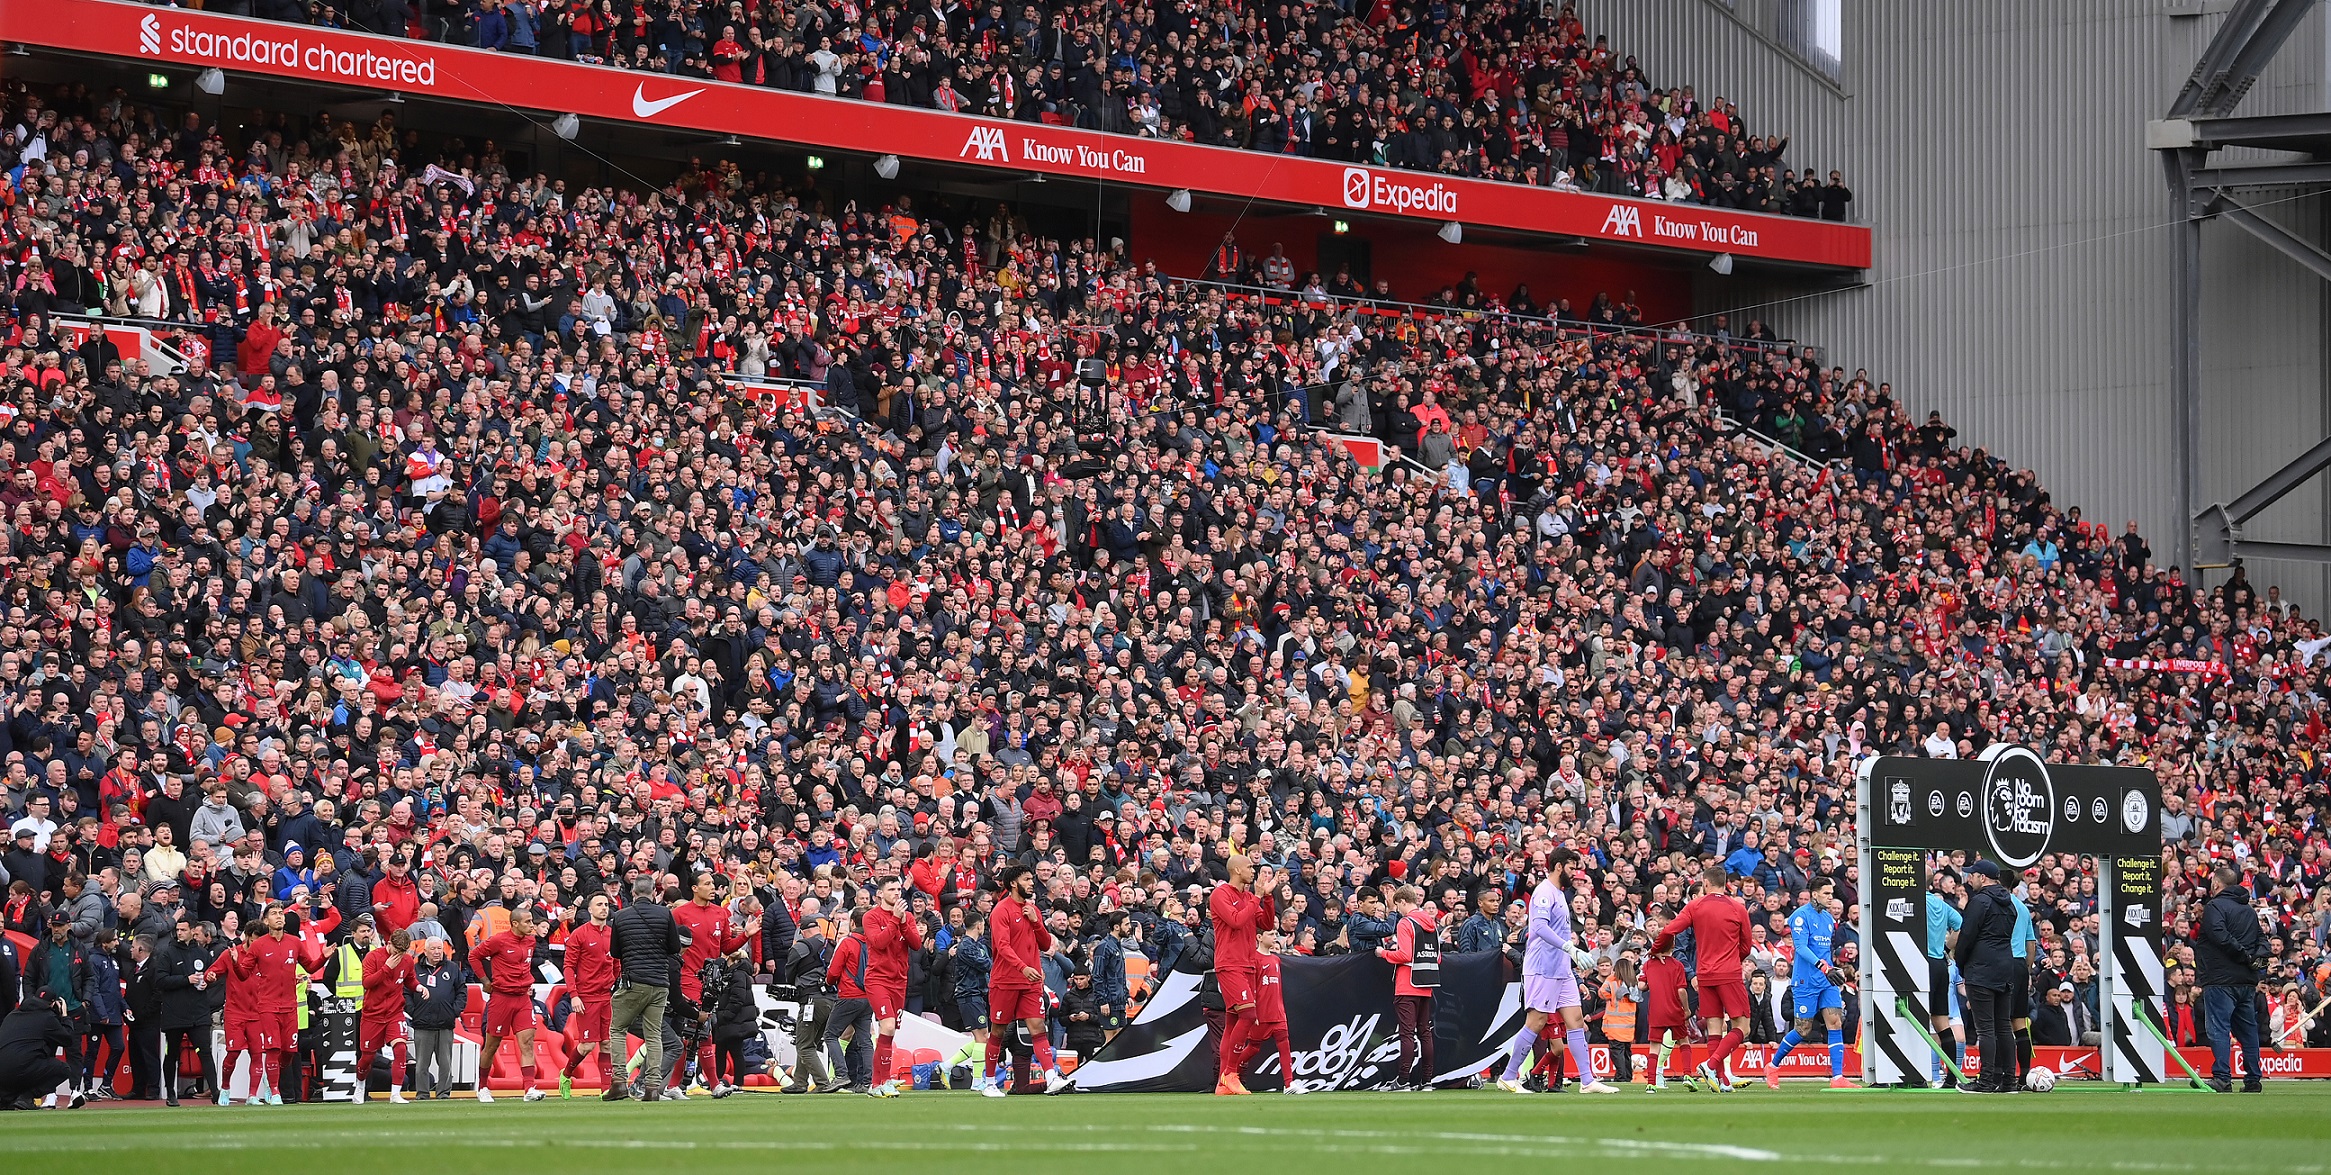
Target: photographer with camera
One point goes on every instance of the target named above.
(2230, 953)
(730, 1016)
(804, 969)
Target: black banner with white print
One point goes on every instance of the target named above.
(1339, 1025)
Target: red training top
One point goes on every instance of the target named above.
(1719, 927)
(590, 963)
(1270, 994)
(888, 939)
(275, 967)
(1663, 984)
(507, 962)
(1237, 915)
(388, 975)
(1019, 942)
(711, 932)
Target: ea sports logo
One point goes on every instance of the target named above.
(2019, 805)
(1356, 185)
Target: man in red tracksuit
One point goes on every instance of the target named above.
(1415, 974)
(1719, 926)
(388, 976)
(847, 973)
(246, 1030)
(590, 989)
(1270, 1012)
(1015, 984)
(1240, 907)
(506, 962)
(276, 960)
(712, 933)
(891, 932)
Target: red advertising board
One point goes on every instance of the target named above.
(190, 38)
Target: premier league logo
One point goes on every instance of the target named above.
(2019, 805)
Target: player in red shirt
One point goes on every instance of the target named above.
(1270, 1012)
(276, 958)
(388, 975)
(1665, 1012)
(712, 932)
(506, 961)
(890, 933)
(1719, 926)
(1240, 907)
(590, 989)
(246, 1031)
(1015, 984)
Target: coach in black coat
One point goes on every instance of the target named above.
(1987, 961)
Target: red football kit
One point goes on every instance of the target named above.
(1237, 914)
(1019, 943)
(388, 975)
(888, 939)
(507, 962)
(1719, 926)
(591, 980)
(711, 934)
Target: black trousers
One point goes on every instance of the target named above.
(1414, 1015)
(854, 1016)
(145, 1053)
(1991, 1016)
(174, 1042)
(39, 1079)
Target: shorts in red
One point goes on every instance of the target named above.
(283, 1033)
(588, 1023)
(1725, 1000)
(1238, 986)
(887, 1004)
(1005, 1006)
(508, 1015)
(372, 1035)
(248, 1033)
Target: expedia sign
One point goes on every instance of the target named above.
(2013, 806)
(1365, 188)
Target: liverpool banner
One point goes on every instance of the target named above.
(1339, 1027)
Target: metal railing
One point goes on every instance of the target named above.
(1397, 308)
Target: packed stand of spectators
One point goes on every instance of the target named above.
(1509, 91)
(456, 572)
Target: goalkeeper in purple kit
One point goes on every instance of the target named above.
(1549, 985)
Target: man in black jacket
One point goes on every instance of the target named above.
(29, 1040)
(1987, 962)
(2228, 944)
(644, 938)
(182, 1003)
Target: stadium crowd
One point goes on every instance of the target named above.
(1513, 91)
(486, 555)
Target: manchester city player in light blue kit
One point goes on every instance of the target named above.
(1811, 984)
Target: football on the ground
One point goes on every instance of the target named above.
(2041, 1079)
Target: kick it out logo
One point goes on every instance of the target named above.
(2019, 805)
(1343, 1059)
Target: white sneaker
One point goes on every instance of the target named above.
(992, 1089)
(534, 1095)
(1054, 1081)
(675, 1094)
(1512, 1086)
(485, 1096)
(224, 1100)
(1294, 1091)
(396, 1096)
(1597, 1086)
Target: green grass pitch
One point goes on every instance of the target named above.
(2286, 1131)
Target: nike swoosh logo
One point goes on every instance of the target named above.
(646, 109)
